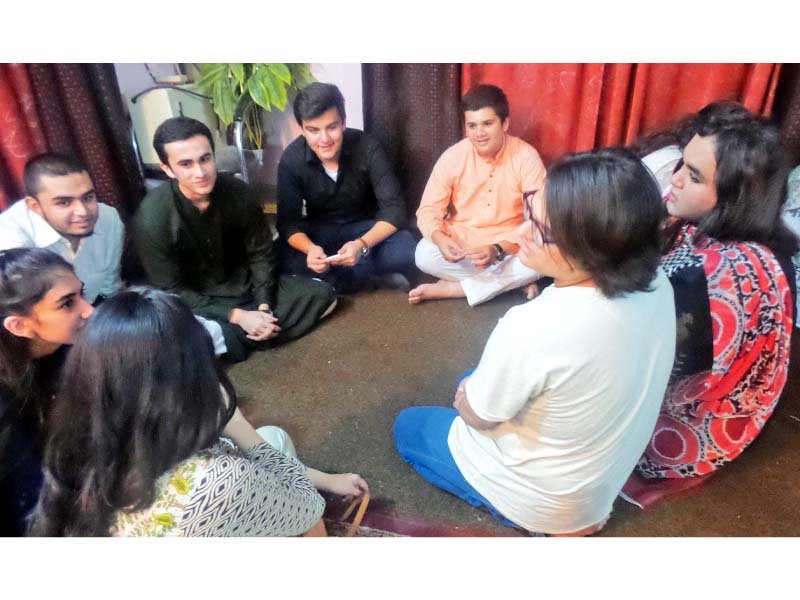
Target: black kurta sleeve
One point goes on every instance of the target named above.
(261, 256)
(290, 195)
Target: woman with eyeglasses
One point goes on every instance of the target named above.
(728, 257)
(147, 440)
(550, 425)
(42, 310)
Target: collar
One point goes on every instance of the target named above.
(176, 189)
(498, 158)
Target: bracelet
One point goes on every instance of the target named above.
(366, 246)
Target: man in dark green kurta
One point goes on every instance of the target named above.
(204, 237)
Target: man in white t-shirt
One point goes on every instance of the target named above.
(549, 426)
(61, 213)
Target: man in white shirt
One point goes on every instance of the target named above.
(61, 213)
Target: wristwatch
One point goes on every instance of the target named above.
(501, 254)
(365, 249)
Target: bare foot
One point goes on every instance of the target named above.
(435, 291)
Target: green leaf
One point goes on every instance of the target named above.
(224, 101)
(281, 71)
(275, 87)
(301, 75)
(210, 74)
(258, 92)
(237, 71)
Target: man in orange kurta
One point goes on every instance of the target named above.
(471, 208)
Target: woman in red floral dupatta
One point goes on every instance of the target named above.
(728, 259)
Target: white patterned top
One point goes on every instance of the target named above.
(224, 492)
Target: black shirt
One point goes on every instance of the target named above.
(216, 260)
(365, 188)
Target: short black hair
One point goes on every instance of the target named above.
(604, 210)
(315, 99)
(486, 96)
(750, 178)
(178, 129)
(50, 164)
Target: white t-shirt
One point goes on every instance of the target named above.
(576, 382)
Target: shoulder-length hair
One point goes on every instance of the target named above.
(604, 210)
(140, 393)
(750, 180)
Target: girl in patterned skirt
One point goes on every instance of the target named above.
(728, 259)
(147, 439)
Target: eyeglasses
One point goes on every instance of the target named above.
(541, 233)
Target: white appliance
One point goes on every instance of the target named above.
(153, 106)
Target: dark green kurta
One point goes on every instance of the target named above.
(222, 258)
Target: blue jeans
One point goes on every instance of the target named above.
(420, 436)
(395, 254)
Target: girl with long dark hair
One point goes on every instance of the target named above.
(728, 259)
(136, 444)
(41, 310)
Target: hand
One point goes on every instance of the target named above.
(347, 484)
(349, 254)
(482, 256)
(258, 325)
(451, 249)
(461, 394)
(315, 259)
(532, 290)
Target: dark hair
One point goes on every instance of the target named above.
(750, 178)
(26, 275)
(315, 99)
(140, 393)
(604, 210)
(50, 164)
(486, 96)
(681, 132)
(178, 129)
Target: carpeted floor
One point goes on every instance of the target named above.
(337, 391)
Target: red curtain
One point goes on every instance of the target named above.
(72, 108)
(20, 133)
(562, 108)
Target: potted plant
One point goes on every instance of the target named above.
(244, 89)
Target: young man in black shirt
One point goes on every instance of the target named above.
(203, 236)
(341, 211)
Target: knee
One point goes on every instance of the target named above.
(425, 257)
(403, 426)
(321, 291)
(278, 439)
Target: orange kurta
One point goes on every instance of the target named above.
(479, 200)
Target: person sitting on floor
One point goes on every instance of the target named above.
(550, 425)
(341, 210)
(729, 260)
(61, 212)
(147, 439)
(203, 236)
(42, 310)
(471, 208)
